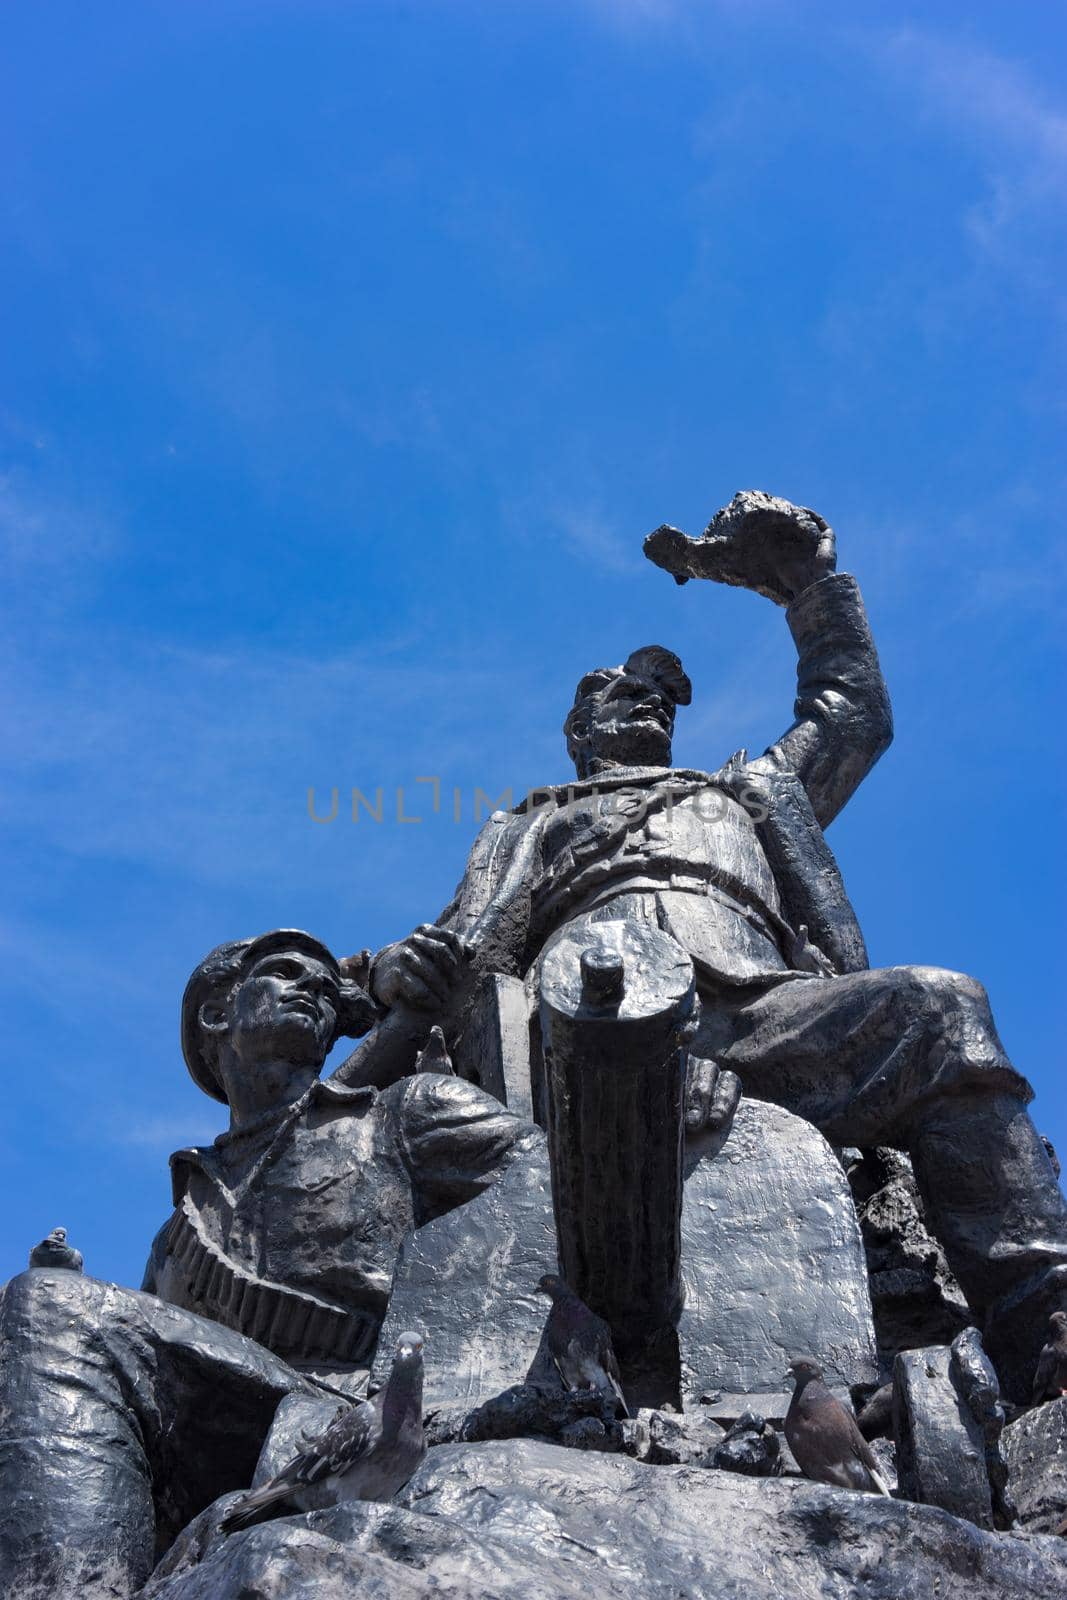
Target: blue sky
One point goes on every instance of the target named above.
(349, 353)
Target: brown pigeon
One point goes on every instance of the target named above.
(579, 1342)
(824, 1436)
(368, 1452)
(1050, 1379)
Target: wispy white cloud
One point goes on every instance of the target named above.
(589, 533)
(1018, 130)
(631, 14)
(583, 527)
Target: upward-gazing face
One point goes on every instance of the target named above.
(627, 721)
(285, 1008)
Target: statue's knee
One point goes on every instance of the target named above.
(937, 992)
(45, 1294)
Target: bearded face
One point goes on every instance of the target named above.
(624, 716)
(625, 721)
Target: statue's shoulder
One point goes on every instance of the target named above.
(427, 1100)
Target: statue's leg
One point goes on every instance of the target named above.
(910, 1056)
(120, 1417)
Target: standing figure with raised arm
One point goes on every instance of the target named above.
(734, 864)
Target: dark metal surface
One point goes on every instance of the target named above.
(615, 998)
(521, 1518)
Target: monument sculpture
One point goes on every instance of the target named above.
(655, 991)
(124, 1412)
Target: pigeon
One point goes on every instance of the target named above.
(434, 1056)
(368, 1452)
(825, 1438)
(579, 1342)
(875, 1420)
(1050, 1379)
(54, 1251)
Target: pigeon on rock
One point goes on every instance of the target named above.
(54, 1251)
(579, 1342)
(368, 1452)
(825, 1437)
(1050, 1379)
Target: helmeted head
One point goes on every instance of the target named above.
(624, 716)
(804, 1370)
(279, 997)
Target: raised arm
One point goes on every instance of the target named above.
(786, 552)
(843, 719)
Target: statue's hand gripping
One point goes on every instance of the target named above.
(756, 542)
(712, 1095)
(422, 971)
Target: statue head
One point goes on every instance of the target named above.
(259, 1017)
(624, 716)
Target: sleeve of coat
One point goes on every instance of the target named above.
(455, 1139)
(843, 721)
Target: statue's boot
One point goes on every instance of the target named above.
(993, 1200)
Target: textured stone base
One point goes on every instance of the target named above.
(1036, 1451)
(773, 1267)
(522, 1519)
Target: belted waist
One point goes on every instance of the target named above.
(608, 877)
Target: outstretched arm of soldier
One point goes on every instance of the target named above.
(788, 553)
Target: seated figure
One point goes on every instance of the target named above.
(124, 1413)
(733, 863)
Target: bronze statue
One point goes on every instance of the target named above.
(734, 864)
(122, 1414)
(687, 935)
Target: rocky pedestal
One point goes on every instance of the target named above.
(1035, 1448)
(941, 1452)
(521, 1518)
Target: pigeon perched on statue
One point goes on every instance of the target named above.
(54, 1251)
(368, 1452)
(875, 1420)
(434, 1056)
(825, 1438)
(579, 1342)
(1050, 1379)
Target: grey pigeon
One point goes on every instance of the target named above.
(825, 1438)
(368, 1452)
(579, 1342)
(1050, 1379)
(54, 1251)
(434, 1056)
